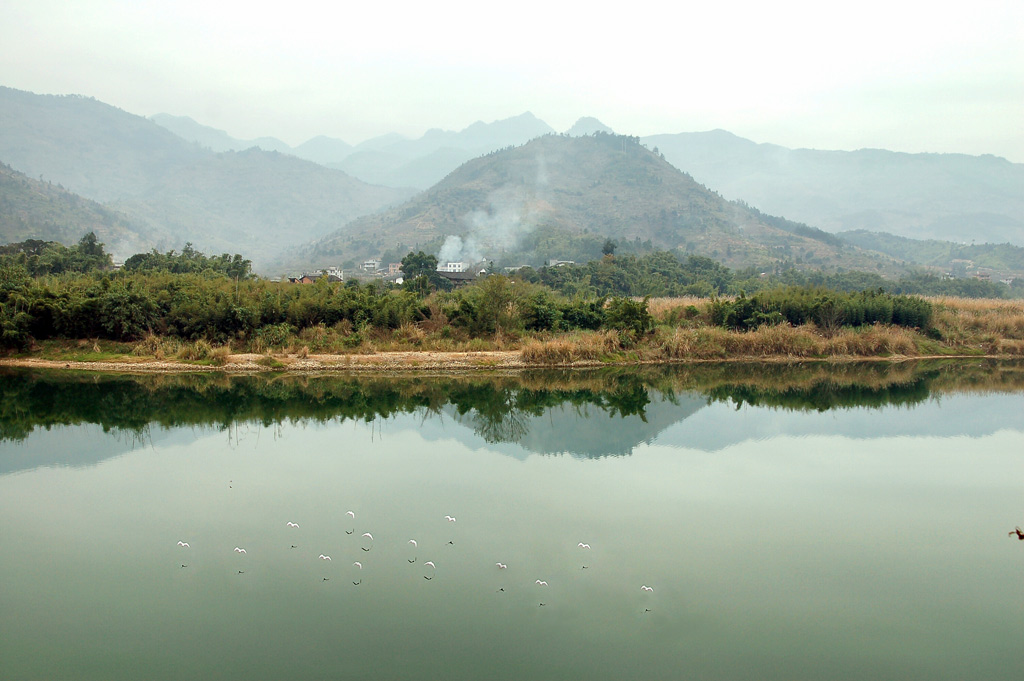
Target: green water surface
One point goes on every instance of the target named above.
(799, 523)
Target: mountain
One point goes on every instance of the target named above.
(588, 125)
(91, 148)
(323, 150)
(255, 202)
(390, 160)
(542, 199)
(205, 136)
(399, 162)
(320, 149)
(924, 196)
(33, 209)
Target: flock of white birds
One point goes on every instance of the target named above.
(429, 574)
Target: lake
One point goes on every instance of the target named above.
(738, 522)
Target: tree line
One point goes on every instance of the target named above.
(191, 296)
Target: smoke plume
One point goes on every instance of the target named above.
(510, 215)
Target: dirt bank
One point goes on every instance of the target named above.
(248, 363)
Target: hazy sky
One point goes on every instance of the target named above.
(909, 76)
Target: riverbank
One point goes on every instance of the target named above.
(243, 363)
(960, 329)
(405, 362)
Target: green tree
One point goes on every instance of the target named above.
(419, 264)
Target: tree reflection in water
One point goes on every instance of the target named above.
(499, 408)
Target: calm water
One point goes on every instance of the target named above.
(793, 524)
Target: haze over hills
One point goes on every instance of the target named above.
(557, 196)
(390, 160)
(33, 209)
(254, 202)
(91, 148)
(213, 139)
(924, 196)
(953, 197)
(958, 259)
(543, 199)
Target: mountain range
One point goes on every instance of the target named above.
(953, 197)
(556, 194)
(514, 185)
(255, 202)
(922, 196)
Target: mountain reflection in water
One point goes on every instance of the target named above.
(583, 413)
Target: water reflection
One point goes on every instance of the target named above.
(765, 525)
(588, 414)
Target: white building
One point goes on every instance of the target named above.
(453, 267)
(334, 272)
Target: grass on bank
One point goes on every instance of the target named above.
(681, 331)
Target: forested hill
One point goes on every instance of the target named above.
(91, 148)
(34, 209)
(959, 258)
(562, 197)
(253, 201)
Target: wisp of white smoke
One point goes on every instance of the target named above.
(508, 217)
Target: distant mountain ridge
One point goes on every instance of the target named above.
(257, 202)
(213, 139)
(391, 160)
(953, 197)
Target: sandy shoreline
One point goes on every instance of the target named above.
(247, 363)
(425, 361)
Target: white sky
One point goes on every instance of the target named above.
(908, 76)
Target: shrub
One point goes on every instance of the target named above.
(629, 315)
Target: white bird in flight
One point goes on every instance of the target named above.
(541, 582)
(367, 534)
(323, 557)
(238, 550)
(583, 546)
(431, 564)
(501, 566)
(413, 542)
(449, 518)
(358, 565)
(183, 543)
(646, 588)
(350, 514)
(291, 524)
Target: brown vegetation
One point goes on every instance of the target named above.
(681, 333)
